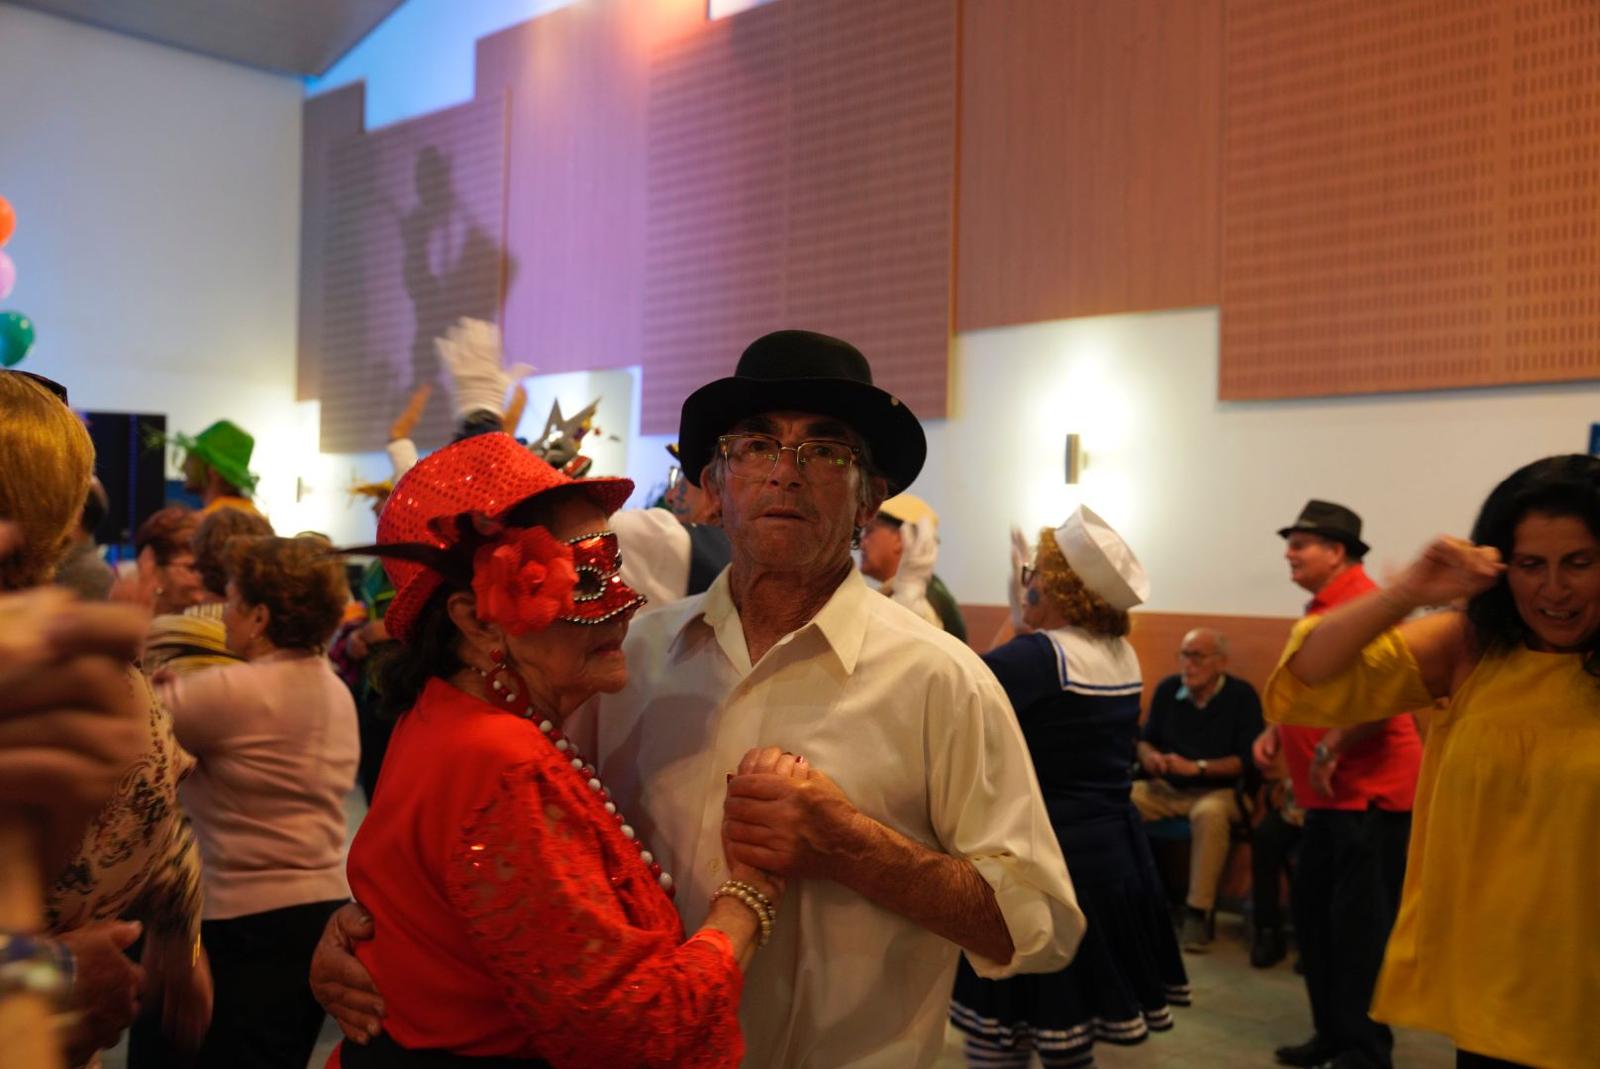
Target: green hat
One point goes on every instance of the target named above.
(226, 447)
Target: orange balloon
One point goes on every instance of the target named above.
(8, 220)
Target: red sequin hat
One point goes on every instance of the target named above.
(487, 475)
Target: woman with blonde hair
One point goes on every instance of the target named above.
(1074, 682)
(137, 859)
(275, 737)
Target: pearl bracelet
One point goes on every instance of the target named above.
(751, 888)
(754, 900)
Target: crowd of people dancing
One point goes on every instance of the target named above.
(677, 787)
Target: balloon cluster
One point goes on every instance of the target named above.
(16, 329)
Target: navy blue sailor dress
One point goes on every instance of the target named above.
(1076, 697)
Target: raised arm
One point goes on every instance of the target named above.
(1448, 570)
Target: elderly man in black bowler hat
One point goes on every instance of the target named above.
(877, 763)
(830, 735)
(1356, 786)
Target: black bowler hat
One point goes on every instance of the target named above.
(1328, 520)
(800, 371)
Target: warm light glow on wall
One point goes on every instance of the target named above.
(1080, 394)
(721, 9)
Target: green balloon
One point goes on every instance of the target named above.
(16, 338)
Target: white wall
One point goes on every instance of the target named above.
(1198, 487)
(157, 197)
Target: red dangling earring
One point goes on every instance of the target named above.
(501, 679)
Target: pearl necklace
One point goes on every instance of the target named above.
(591, 777)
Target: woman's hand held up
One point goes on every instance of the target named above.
(1448, 570)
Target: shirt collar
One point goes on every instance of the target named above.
(1340, 589)
(1185, 696)
(842, 622)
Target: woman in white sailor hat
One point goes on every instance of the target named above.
(1075, 684)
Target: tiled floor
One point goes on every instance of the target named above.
(1239, 1015)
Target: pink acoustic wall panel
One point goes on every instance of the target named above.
(671, 187)
(414, 239)
(718, 224)
(577, 84)
(801, 164)
(1411, 195)
(1091, 158)
(1551, 182)
(871, 191)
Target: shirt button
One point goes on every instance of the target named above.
(716, 866)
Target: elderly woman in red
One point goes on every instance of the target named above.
(519, 920)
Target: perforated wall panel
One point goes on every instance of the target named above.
(801, 174)
(414, 239)
(1411, 192)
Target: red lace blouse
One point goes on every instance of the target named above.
(514, 919)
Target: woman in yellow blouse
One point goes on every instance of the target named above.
(1497, 943)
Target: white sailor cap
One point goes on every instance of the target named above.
(1102, 559)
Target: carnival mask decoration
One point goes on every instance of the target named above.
(524, 579)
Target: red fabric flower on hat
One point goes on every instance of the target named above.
(523, 580)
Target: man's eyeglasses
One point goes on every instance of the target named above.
(1194, 656)
(1027, 574)
(755, 456)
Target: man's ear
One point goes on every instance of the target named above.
(711, 487)
(877, 494)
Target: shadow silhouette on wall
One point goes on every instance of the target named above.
(451, 265)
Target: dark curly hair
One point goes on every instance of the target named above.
(299, 580)
(211, 540)
(401, 670)
(1081, 606)
(1556, 486)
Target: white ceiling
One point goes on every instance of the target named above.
(300, 37)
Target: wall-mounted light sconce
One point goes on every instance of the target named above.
(1076, 459)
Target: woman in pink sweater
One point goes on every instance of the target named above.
(277, 747)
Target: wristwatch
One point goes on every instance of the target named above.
(1201, 765)
(1321, 753)
(37, 965)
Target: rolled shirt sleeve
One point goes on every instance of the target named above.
(986, 807)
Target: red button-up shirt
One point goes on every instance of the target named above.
(1380, 770)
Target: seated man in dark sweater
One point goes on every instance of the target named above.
(1195, 747)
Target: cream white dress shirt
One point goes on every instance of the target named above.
(915, 730)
